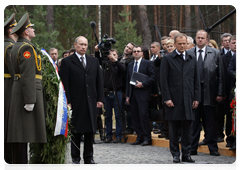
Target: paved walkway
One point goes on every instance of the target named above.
(123, 156)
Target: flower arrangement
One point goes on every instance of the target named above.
(233, 107)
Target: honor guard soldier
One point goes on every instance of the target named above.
(9, 41)
(26, 123)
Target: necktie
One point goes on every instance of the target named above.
(135, 67)
(83, 63)
(182, 56)
(200, 65)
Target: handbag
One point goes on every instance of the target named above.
(156, 115)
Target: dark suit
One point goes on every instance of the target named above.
(231, 70)
(139, 99)
(84, 88)
(232, 73)
(180, 83)
(226, 60)
(211, 87)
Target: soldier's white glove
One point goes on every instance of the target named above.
(29, 107)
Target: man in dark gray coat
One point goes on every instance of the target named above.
(180, 86)
(82, 80)
(212, 91)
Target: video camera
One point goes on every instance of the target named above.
(161, 53)
(106, 44)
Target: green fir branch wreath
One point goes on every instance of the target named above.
(52, 152)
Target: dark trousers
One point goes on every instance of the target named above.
(185, 128)
(208, 116)
(128, 117)
(88, 146)
(19, 153)
(140, 117)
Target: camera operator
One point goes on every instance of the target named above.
(126, 58)
(113, 71)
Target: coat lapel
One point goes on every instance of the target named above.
(76, 61)
(89, 62)
(141, 66)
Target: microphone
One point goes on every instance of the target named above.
(93, 24)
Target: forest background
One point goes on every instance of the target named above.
(58, 25)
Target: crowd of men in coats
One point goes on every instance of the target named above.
(191, 83)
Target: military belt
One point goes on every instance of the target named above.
(7, 75)
(18, 76)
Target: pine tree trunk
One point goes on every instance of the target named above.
(235, 30)
(181, 17)
(188, 19)
(111, 20)
(159, 17)
(147, 37)
(164, 21)
(174, 22)
(50, 18)
(198, 20)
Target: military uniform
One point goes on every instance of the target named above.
(8, 75)
(26, 126)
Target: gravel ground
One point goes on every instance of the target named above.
(123, 156)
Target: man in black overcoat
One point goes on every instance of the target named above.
(180, 87)
(212, 91)
(82, 80)
(228, 89)
(232, 74)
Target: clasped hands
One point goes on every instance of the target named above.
(99, 105)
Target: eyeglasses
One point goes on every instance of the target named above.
(137, 51)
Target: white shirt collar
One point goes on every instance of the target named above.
(84, 58)
(204, 49)
(139, 62)
(80, 55)
(184, 53)
(225, 50)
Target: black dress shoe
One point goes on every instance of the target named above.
(188, 159)
(163, 135)
(232, 148)
(75, 163)
(89, 161)
(176, 159)
(220, 140)
(202, 143)
(158, 131)
(136, 143)
(229, 145)
(145, 143)
(215, 153)
(108, 140)
(193, 152)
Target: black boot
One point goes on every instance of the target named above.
(101, 134)
(20, 159)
